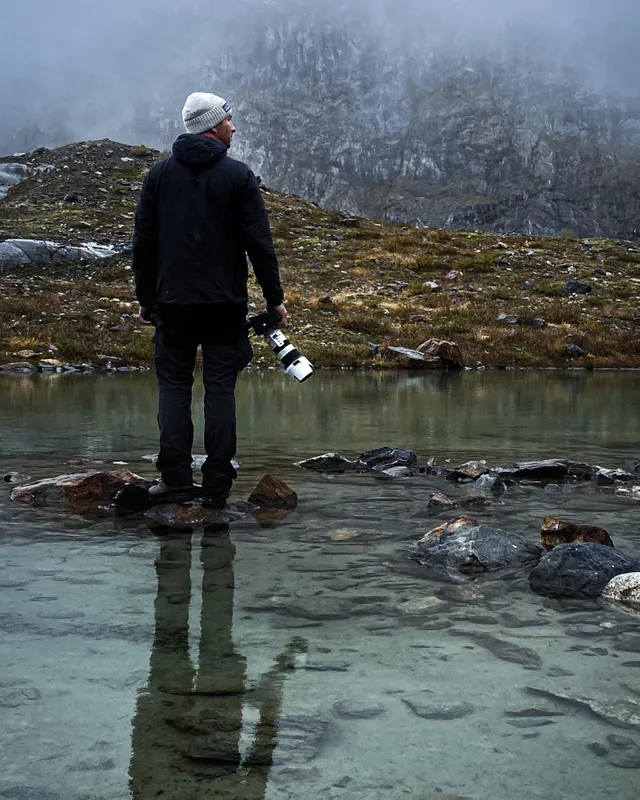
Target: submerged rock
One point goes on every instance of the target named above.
(621, 751)
(619, 711)
(439, 502)
(502, 648)
(189, 514)
(558, 531)
(465, 546)
(350, 709)
(422, 707)
(274, 493)
(579, 570)
(76, 488)
(624, 589)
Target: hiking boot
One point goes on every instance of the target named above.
(215, 500)
(161, 492)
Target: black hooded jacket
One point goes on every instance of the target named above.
(200, 214)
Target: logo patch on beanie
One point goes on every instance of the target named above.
(226, 107)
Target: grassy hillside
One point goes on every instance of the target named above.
(349, 283)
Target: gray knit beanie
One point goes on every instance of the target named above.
(203, 111)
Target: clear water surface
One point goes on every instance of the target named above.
(313, 659)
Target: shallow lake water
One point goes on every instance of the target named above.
(314, 659)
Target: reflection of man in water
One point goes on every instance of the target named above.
(186, 731)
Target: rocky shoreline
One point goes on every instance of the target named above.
(572, 559)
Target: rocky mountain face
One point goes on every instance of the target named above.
(512, 141)
(437, 141)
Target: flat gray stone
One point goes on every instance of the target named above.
(421, 706)
(503, 649)
(529, 723)
(350, 709)
(619, 711)
(623, 752)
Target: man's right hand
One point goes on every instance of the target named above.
(282, 311)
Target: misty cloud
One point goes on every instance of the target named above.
(90, 67)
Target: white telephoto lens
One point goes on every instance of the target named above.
(301, 369)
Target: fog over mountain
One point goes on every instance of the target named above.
(496, 114)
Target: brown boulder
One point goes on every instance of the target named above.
(76, 488)
(273, 493)
(558, 531)
(448, 352)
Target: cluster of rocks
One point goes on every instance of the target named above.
(125, 492)
(84, 175)
(42, 358)
(400, 463)
(394, 462)
(572, 560)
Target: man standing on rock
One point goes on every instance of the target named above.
(199, 216)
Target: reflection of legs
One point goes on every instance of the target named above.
(221, 675)
(156, 741)
(175, 362)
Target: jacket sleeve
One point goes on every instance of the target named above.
(145, 242)
(259, 243)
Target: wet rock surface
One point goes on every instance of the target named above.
(467, 547)
(579, 570)
(552, 469)
(76, 488)
(383, 459)
(557, 531)
(331, 463)
(271, 492)
(624, 589)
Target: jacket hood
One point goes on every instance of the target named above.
(197, 150)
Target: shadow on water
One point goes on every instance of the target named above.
(187, 730)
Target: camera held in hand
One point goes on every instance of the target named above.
(294, 363)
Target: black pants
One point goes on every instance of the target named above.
(176, 346)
